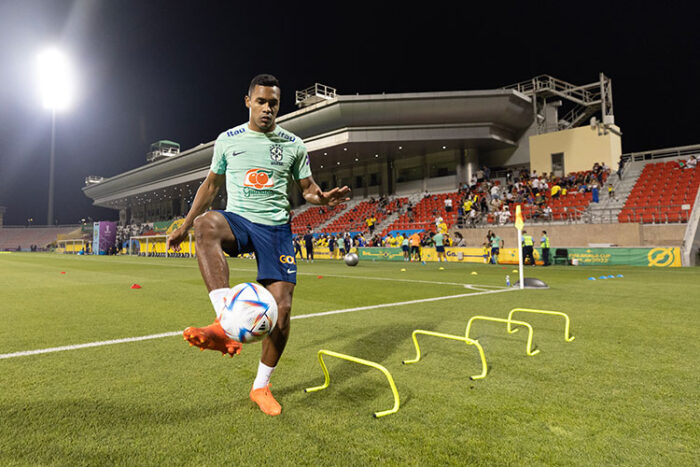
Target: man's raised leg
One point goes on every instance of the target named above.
(272, 347)
(212, 232)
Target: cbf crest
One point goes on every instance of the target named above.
(276, 153)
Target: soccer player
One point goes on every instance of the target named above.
(309, 244)
(404, 248)
(297, 247)
(496, 245)
(438, 239)
(331, 246)
(256, 160)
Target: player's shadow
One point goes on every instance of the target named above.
(379, 346)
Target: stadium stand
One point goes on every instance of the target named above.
(314, 216)
(354, 219)
(24, 237)
(423, 214)
(661, 193)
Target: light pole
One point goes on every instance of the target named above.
(56, 87)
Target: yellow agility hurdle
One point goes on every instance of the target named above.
(467, 340)
(528, 348)
(567, 337)
(349, 358)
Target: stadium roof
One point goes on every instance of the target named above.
(346, 128)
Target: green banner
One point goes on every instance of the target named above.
(383, 254)
(657, 257)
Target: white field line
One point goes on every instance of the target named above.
(177, 333)
(478, 287)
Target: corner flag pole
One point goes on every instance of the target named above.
(519, 226)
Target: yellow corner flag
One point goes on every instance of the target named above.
(518, 218)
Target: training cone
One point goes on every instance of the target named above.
(611, 277)
(63, 272)
(135, 286)
(620, 275)
(591, 278)
(474, 273)
(514, 270)
(603, 277)
(319, 277)
(441, 268)
(403, 269)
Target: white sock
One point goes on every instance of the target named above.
(217, 299)
(263, 377)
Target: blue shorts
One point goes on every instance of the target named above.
(440, 249)
(495, 251)
(272, 244)
(404, 248)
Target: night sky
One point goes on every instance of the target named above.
(178, 70)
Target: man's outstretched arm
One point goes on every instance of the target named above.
(312, 193)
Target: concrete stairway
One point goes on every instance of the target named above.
(607, 209)
(413, 198)
(348, 206)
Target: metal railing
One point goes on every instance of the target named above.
(544, 83)
(313, 94)
(659, 214)
(680, 151)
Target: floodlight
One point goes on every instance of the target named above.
(56, 82)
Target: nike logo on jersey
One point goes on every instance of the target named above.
(234, 153)
(291, 271)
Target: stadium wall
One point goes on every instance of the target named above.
(589, 235)
(582, 147)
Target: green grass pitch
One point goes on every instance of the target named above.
(624, 392)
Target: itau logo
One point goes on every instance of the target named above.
(258, 179)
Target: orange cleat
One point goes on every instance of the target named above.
(212, 337)
(267, 403)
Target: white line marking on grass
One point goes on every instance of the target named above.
(341, 276)
(410, 302)
(177, 333)
(89, 344)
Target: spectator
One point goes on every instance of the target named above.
(448, 204)
(692, 163)
(620, 167)
(459, 240)
(556, 191)
(547, 213)
(504, 215)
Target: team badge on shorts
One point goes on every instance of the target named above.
(276, 154)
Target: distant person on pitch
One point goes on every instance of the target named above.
(256, 160)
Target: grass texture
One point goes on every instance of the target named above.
(624, 392)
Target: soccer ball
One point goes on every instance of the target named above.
(351, 259)
(249, 313)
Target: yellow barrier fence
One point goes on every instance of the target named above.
(528, 349)
(361, 361)
(468, 341)
(567, 336)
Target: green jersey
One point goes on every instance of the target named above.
(495, 241)
(438, 239)
(258, 168)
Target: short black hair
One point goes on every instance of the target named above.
(262, 80)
